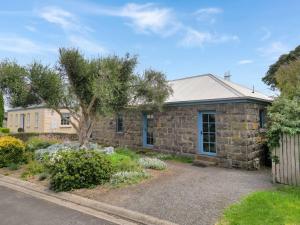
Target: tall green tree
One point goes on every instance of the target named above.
(1, 109)
(284, 59)
(88, 88)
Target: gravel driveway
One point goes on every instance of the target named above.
(186, 194)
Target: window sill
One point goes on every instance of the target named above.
(65, 126)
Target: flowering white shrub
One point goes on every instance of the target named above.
(75, 146)
(152, 163)
(128, 177)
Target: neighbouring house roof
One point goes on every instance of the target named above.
(209, 87)
(26, 108)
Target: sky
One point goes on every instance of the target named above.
(179, 38)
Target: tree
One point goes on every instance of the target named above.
(270, 78)
(288, 79)
(1, 109)
(88, 88)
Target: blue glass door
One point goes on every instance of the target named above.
(207, 133)
(148, 127)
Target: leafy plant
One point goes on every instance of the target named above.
(128, 177)
(4, 130)
(152, 163)
(128, 152)
(33, 168)
(13, 166)
(78, 169)
(122, 162)
(12, 150)
(34, 143)
(43, 176)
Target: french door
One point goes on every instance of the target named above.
(148, 126)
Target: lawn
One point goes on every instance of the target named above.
(280, 206)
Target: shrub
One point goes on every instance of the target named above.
(12, 150)
(78, 169)
(20, 130)
(33, 168)
(128, 152)
(152, 163)
(43, 176)
(13, 166)
(4, 130)
(128, 177)
(123, 163)
(35, 143)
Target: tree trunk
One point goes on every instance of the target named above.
(86, 126)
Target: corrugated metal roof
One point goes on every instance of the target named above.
(209, 87)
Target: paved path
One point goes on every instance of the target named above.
(17, 208)
(187, 194)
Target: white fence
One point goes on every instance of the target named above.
(287, 169)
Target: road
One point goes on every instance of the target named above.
(18, 208)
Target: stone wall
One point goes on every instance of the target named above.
(176, 130)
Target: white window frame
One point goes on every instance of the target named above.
(65, 119)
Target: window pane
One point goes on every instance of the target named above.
(212, 127)
(205, 127)
(211, 118)
(212, 137)
(212, 148)
(206, 147)
(205, 137)
(205, 118)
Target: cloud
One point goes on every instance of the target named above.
(21, 45)
(86, 44)
(266, 34)
(273, 50)
(145, 18)
(195, 38)
(62, 18)
(245, 61)
(208, 14)
(30, 28)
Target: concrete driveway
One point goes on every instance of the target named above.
(18, 208)
(186, 194)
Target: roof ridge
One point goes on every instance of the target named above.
(228, 87)
(184, 78)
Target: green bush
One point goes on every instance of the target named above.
(78, 169)
(4, 130)
(13, 166)
(123, 163)
(128, 152)
(34, 143)
(12, 150)
(33, 168)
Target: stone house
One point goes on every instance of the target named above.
(217, 121)
(39, 119)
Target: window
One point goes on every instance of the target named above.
(65, 119)
(209, 132)
(119, 123)
(16, 120)
(36, 119)
(28, 119)
(262, 118)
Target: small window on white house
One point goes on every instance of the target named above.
(16, 120)
(65, 119)
(28, 119)
(36, 119)
(119, 123)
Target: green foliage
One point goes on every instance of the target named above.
(1, 109)
(128, 152)
(288, 79)
(33, 168)
(270, 77)
(13, 166)
(34, 143)
(284, 117)
(128, 177)
(121, 162)
(273, 207)
(78, 169)
(4, 130)
(12, 150)
(43, 176)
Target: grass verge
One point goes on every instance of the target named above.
(275, 207)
